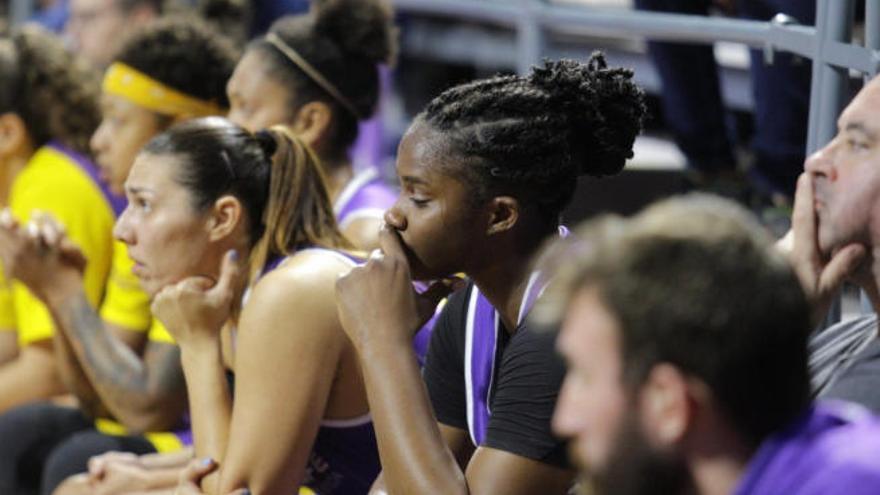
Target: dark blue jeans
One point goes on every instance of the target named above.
(41, 444)
(694, 109)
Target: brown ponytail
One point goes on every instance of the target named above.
(299, 212)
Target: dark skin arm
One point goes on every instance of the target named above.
(379, 310)
(459, 444)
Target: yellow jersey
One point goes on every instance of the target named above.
(66, 185)
(58, 182)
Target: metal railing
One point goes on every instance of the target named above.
(827, 44)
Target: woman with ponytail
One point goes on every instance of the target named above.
(232, 233)
(319, 74)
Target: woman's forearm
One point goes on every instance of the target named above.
(415, 458)
(210, 403)
(144, 394)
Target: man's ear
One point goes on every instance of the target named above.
(225, 217)
(13, 134)
(503, 214)
(312, 123)
(666, 405)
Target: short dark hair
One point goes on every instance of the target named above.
(695, 282)
(54, 93)
(533, 136)
(185, 54)
(273, 174)
(345, 41)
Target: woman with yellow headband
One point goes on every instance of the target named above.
(319, 74)
(122, 365)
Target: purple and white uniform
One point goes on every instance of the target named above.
(498, 384)
(482, 335)
(345, 456)
(832, 448)
(365, 196)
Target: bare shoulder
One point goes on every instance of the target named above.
(364, 232)
(308, 271)
(300, 291)
(316, 265)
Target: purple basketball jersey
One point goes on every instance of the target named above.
(833, 448)
(365, 195)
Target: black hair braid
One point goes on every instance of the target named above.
(533, 136)
(599, 103)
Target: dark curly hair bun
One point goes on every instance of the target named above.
(345, 41)
(533, 136)
(360, 28)
(599, 105)
(185, 54)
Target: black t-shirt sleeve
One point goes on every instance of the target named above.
(444, 365)
(529, 379)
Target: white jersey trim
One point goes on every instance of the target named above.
(353, 186)
(371, 213)
(347, 423)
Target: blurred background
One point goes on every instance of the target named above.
(723, 118)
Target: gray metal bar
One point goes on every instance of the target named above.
(847, 55)
(620, 23)
(872, 29)
(872, 24)
(20, 11)
(530, 36)
(833, 23)
(617, 22)
(865, 302)
(816, 84)
(679, 27)
(495, 12)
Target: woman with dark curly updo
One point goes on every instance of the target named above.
(485, 171)
(319, 74)
(121, 364)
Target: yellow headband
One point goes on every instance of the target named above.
(140, 89)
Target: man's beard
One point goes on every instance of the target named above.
(636, 468)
